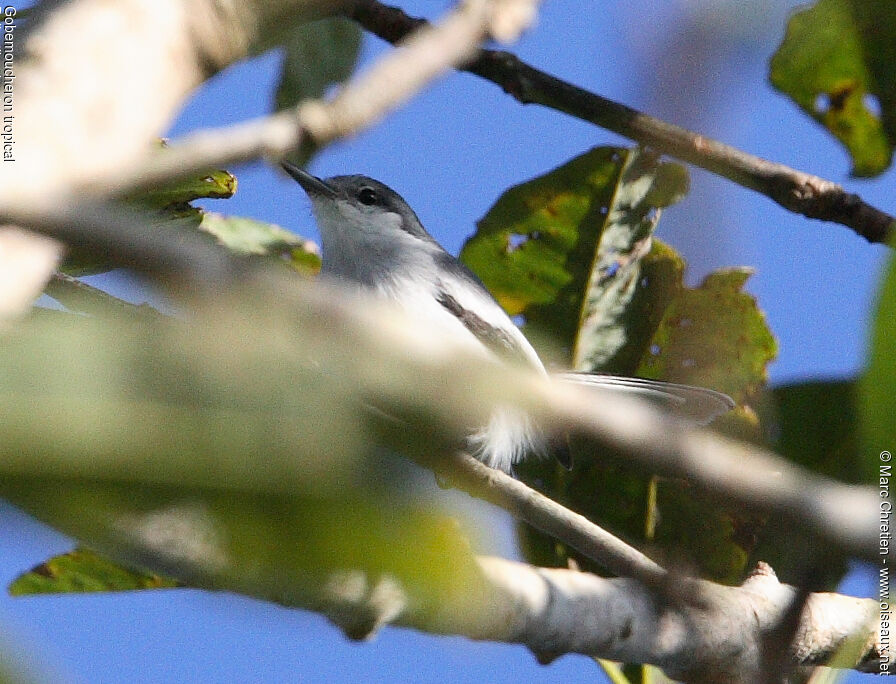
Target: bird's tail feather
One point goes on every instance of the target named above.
(697, 404)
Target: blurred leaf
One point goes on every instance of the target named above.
(877, 388)
(247, 236)
(583, 223)
(271, 546)
(714, 336)
(79, 297)
(836, 57)
(318, 55)
(814, 424)
(13, 670)
(83, 570)
(230, 449)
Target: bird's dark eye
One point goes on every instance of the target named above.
(367, 196)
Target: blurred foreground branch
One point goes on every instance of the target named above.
(423, 56)
(257, 395)
(121, 162)
(796, 191)
(743, 474)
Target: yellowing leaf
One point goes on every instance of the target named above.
(563, 250)
(713, 336)
(248, 236)
(83, 570)
(836, 63)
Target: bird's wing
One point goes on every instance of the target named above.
(500, 341)
(463, 295)
(697, 404)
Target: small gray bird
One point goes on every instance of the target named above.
(372, 239)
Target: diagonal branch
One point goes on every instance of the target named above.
(796, 191)
(378, 355)
(545, 514)
(422, 57)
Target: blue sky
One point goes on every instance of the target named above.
(450, 153)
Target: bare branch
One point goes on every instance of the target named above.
(794, 190)
(530, 506)
(422, 56)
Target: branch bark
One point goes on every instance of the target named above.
(717, 636)
(526, 504)
(796, 191)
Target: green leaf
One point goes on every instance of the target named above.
(83, 570)
(834, 57)
(877, 388)
(619, 296)
(77, 296)
(171, 207)
(713, 336)
(545, 240)
(247, 236)
(816, 424)
(209, 185)
(572, 252)
(318, 55)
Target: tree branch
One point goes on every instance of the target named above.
(794, 190)
(555, 520)
(422, 57)
(718, 637)
(693, 631)
(755, 479)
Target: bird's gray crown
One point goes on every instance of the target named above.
(365, 191)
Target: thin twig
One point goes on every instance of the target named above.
(545, 514)
(794, 190)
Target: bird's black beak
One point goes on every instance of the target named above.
(311, 184)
